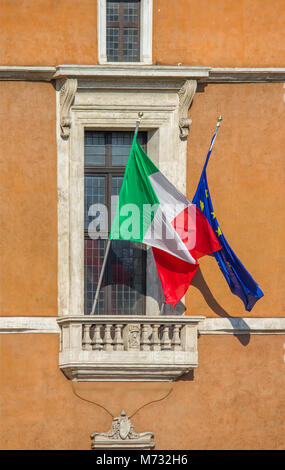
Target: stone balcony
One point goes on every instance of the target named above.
(128, 348)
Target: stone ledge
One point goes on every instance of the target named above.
(211, 325)
(30, 73)
(203, 74)
(245, 74)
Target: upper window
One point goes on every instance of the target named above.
(125, 31)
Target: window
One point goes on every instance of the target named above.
(123, 286)
(125, 31)
(116, 347)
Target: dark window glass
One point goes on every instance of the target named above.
(95, 149)
(123, 31)
(94, 193)
(113, 44)
(123, 287)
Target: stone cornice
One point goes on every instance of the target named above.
(131, 71)
(245, 75)
(124, 71)
(242, 325)
(29, 325)
(27, 72)
(232, 325)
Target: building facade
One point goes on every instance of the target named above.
(73, 77)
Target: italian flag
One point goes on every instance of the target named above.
(151, 210)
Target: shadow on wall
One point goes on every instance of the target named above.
(199, 283)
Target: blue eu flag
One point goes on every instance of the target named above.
(238, 278)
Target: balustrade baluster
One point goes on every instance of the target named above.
(176, 341)
(145, 343)
(155, 338)
(86, 340)
(118, 340)
(97, 342)
(107, 338)
(166, 343)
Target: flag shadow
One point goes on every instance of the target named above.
(199, 283)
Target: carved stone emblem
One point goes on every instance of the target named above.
(186, 95)
(125, 426)
(122, 436)
(134, 337)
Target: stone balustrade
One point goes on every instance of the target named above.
(142, 348)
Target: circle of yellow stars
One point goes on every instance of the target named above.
(202, 206)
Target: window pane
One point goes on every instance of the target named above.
(121, 146)
(94, 193)
(126, 265)
(125, 275)
(94, 148)
(131, 45)
(113, 44)
(123, 30)
(116, 185)
(127, 261)
(112, 11)
(131, 10)
(115, 191)
(93, 258)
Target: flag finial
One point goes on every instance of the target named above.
(220, 118)
(140, 115)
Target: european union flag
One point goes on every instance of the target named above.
(238, 278)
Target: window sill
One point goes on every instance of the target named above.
(128, 348)
(105, 62)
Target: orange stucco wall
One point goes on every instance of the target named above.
(28, 202)
(48, 32)
(219, 33)
(246, 180)
(194, 32)
(236, 404)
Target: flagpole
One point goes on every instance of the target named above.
(220, 118)
(138, 121)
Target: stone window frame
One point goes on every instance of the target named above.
(146, 14)
(96, 98)
(87, 100)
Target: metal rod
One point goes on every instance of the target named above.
(162, 308)
(220, 118)
(140, 115)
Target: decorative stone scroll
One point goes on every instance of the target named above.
(186, 95)
(67, 93)
(122, 436)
